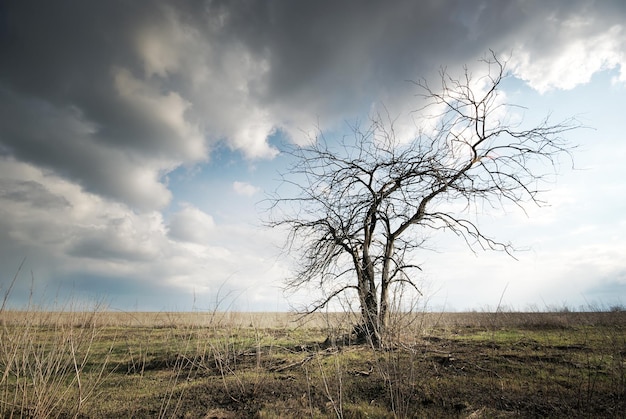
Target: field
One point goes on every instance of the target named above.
(99, 364)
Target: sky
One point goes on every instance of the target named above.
(138, 141)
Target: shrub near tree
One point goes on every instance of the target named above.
(364, 205)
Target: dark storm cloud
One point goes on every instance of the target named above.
(106, 93)
(343, 53)
(70, 101)
(312, 44)
(61, 55)
(31, 192)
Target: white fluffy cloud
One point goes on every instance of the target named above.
(245, 189)
(69, 234)
(575, 59)
(192, 225)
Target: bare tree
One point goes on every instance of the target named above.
(362, 205)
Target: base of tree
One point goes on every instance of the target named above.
(359, 335)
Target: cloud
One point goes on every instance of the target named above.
(63, 141)
(583, 49)
(192, 225)
(69, 234)
(102, 102)
(38, 195)
(119, 109)
(245, 189)
(89, 119)
(164, 114)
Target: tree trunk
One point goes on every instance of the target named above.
(384, 286)
(369, 331)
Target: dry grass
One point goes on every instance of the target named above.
(98, 317)
(102, 318)
(103, 364)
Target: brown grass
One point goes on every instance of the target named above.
(97, 364)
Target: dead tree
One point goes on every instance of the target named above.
(357, 209)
